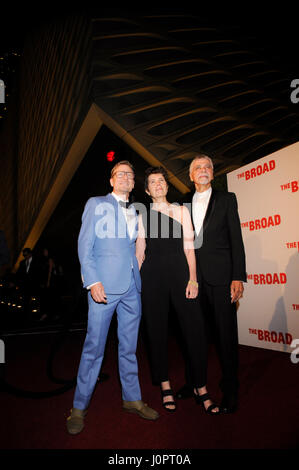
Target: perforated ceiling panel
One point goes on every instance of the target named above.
(179, 85)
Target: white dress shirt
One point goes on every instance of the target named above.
(129, 214)
(200, 203)
(28, 263)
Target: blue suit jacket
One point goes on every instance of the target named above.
(106, 252)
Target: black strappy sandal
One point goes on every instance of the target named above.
(200, 399)
(166, 404)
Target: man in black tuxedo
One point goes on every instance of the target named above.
(28, 270)
(220, 259)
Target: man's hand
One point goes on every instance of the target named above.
(98, 293)
(236, 290)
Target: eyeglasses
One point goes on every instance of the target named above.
(122, 174)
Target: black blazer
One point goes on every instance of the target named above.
(220, 257)
(32, 278)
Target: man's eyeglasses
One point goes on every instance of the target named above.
(122, 174)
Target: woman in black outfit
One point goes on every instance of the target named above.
(164, 249)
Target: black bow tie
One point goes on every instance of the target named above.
(124, 204)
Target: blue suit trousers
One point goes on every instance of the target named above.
(128, 309)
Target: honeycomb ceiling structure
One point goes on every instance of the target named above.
(178, 85)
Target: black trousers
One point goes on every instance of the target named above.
(221, 315)
(156, 301)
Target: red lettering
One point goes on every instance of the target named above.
(260, 335)
(262, 279)
(281, 338)
(259, 170)
(265, 168)
(273, 336)
(292, 245)
(268, 278)
(263, 223)
(267, 336)
(275, 279)
(294, 186)
(252, 331)
(289, 338)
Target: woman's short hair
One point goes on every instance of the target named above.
(155, 170)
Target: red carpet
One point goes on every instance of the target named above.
(268, 415)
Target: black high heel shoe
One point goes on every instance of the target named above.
(200, 399)
(166, 404)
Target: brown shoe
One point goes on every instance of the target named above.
(75, 422)
(141, 409)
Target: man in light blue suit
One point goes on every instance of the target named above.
(110, 272)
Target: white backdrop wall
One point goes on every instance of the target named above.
(268, 203)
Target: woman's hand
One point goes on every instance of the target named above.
(192, 290)
(140, 261)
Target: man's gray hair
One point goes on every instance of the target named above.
(200, 155)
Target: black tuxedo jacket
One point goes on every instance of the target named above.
(30, 278)
(221, 256)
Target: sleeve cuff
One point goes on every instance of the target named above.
(90, 286)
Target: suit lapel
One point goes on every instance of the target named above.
(120, 221)
(188, 203)
(210, 210)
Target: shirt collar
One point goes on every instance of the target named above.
(204, 194)
(118, 198)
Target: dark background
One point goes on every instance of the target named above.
(270, 30)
